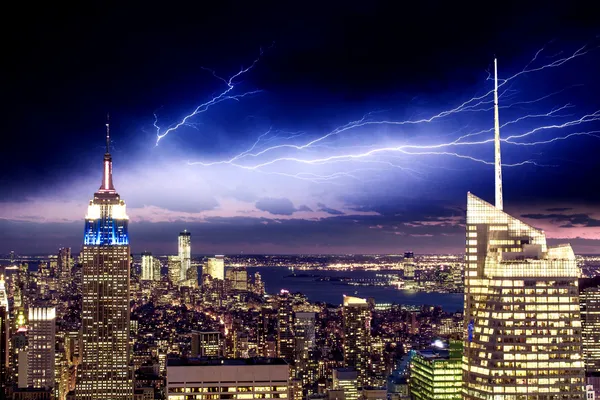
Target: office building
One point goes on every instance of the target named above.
(42, 339)
(104, 370)
(285, 327)
(436, 373)
(215, 267)
(357, 335)
(258, 378)
(409, 265)
(589, 299)
(4, 352)
(346, 380)
(207, 344)
(64, 265)
(150, 267)
(174, 269)
(237, 279)
(185, 254)
(522, 320)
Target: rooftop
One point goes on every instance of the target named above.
(206, 361)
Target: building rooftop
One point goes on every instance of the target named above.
(207, 361)
(434, 354)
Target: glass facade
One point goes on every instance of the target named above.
(590, 318)
(357, 336)
(437, 374)
(522, 325)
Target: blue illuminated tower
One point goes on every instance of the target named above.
(105, 368)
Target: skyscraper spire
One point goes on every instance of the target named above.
(107, 183)
(497, 159)
(107, 133)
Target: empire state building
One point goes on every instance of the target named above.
(105, 372)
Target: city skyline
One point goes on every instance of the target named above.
(389, 204)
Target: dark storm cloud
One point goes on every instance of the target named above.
(567, 220)
(324, 208)
(230, 235)
(39, 238)
(282, 206)
(182, 203)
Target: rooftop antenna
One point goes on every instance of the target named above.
(107, 133)
(497, 160)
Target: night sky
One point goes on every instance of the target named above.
(251, 173)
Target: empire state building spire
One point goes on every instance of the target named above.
(107, 183)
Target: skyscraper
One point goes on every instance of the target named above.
(436, 373)
(4, 329)
(215, 267)
(147, 266)
(522, 321)
(105, 371)
(305, 339)
(42, 338)
(409, 265)
(174, 269)
(285, 327)
(64, 265)
(185, 254)
(357, 334)
(589, 298)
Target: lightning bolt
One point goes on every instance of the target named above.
(266, 151)
(224, 95)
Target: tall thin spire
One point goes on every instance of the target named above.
(497, 159)
(107, 183)
(107, 133)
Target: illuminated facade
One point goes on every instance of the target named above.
(522, 321)
(237, 279)
(174, 269)
(185, 254)
(64, 264)
(150, 267)
(215, 267)
(305, 338)
(346, 380)
(589, 298)
(409, 265)
(42, 339)
(207, 344)
(357, 336)
(105, 371)
(4, 352)
(285, 327)
(227, 379)
(436, 374)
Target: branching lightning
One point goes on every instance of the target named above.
(225, 95)
(275, 152)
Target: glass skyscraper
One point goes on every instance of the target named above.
(589, 297)
(185, 254)
(357, 336)
(522, 320)
(105, 370)
(436, 374)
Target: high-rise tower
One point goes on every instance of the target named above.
(521, 322)
(357, 336)
(185, 254)
(42, 339)
(105, 371)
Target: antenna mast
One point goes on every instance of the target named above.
(497, 160)
(107, 133)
